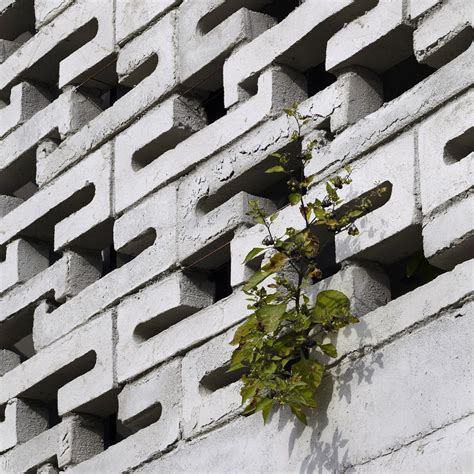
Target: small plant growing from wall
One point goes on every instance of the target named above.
(281, 344)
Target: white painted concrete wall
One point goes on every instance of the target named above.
(121, 188)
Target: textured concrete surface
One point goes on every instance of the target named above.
(134, 134)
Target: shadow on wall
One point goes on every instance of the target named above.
(332, 455)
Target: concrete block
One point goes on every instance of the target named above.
(61, 281)
(8, 203)
(153, 397)
(25, 101)
(23, 260)
(277, 89)
(290, 42)
(361, 94)
(146, 232)
(142, 143)
(366, 286)
(383, 239)
(84, 18)
(423, 455)
(78, 368)
(134, 64)
(161, 389)
(73, 440)
(444, 33)
(201, 31)
(198, 229)
(22, 421)
(86, 190)
(377, 40)
(446, 150)
(425, 302)
(210, 394)
(83, 438)
(62, 117)
(8, 360)
(448, 237)
(132, 17)
(176, 338)
(141, 333)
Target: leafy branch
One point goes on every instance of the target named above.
(281, 344)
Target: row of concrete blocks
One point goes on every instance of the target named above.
(186, 220)
(159, 410)
(251, 42)
(133, 181)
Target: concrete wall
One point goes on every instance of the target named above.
(133, 134)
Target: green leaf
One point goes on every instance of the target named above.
(275, 169)
(329, 349)
(309, 371)
(253, 253)
(294, 198)
(248, 391)
(270, 315)
(330, 304)
(257, 278)
(266, 409)
(298, 411)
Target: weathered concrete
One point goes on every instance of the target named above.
(133, 136)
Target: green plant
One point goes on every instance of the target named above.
(281, 344)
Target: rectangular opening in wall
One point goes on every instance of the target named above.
(403, 76)
(220, 378)
(409, 273)
(212, 264)
(317, 79)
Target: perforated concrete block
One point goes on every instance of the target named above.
(179, 333)
(377, 40)
(86, 189)
(152, 404)
(211, 395)
(148, 233)
(25, 101)
(212, 30)
(384, 228)
(199, 229)
(443, 33)
(86, 18)
(64, 116)
(445, 141)
(77, 368)
(74, 439)
(59, 282)
(143, 143)
(23, 260)
(22, 421)
(143, 334)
